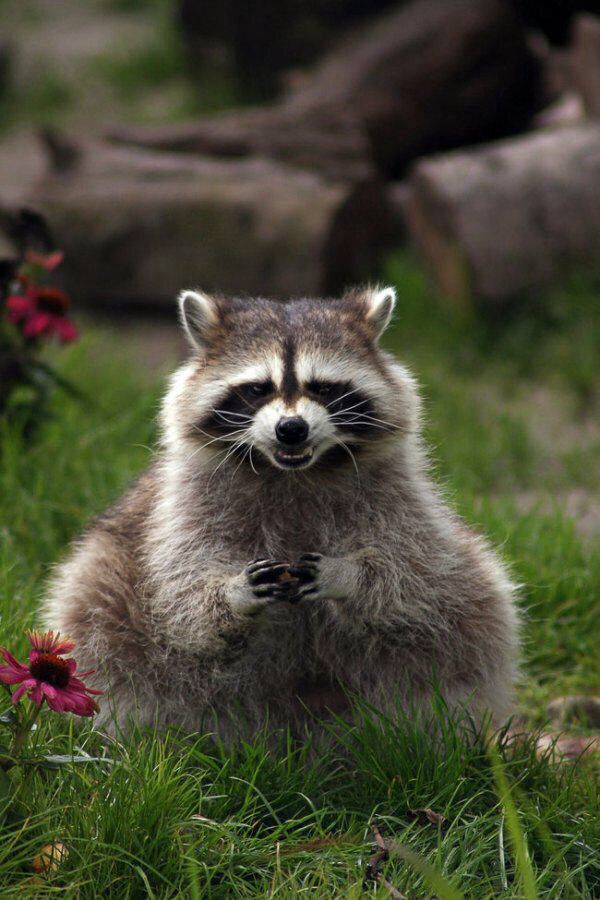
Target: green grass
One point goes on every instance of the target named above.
(42, 101)
(162, 65)
(178, 816)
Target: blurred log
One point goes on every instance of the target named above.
(259, 42)
(137, 226)
(586, 62)
(553, 18)
(497, 221)
(432, 75)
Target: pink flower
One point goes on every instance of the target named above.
(48, 642)
(49, 676)
(47, 261)
(19, 307)
(40, 312)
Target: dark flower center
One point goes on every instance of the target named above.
(52, 300)
(52, 669)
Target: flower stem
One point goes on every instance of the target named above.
(23, 731)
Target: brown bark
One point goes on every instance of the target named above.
(137, 226)
(432, 75)
(586, 62)
(494, 222)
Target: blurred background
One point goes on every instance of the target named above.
(289, 147)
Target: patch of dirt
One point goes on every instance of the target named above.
(153, 345)
(580, 504)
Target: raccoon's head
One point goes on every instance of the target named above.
(292, 384)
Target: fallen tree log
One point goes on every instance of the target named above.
(432, 75)
(494, 222)
(137, 226)
(586, 62)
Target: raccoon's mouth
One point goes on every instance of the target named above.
(293, 459)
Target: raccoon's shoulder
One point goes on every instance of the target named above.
(126, 520)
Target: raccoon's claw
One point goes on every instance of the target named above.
(265, 571)
(265, 577)
(277, 582)
(292, 592)
(306, 569)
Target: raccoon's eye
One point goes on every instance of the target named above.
(255, 390)
(322, 389)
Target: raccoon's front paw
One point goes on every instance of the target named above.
(306, 571)
(333, 578)
(266, 576)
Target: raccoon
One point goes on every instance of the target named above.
(287, 548)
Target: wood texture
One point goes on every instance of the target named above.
(497, 221)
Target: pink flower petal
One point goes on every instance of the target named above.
(80, 703)
(37, 694)
(19, 308)
(77, 684)
(14, 664)
(8, 675)
(55, 698)
(48, 261)
(19, 693)
(66, 331)
(37, 324)
(61, 647)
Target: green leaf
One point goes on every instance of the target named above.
(59, 760)
(6, 789)
(9, 717)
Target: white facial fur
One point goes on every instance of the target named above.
(195, 393)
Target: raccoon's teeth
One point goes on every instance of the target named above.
(302, 454)
(295, 456)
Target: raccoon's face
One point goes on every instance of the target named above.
(296, 384)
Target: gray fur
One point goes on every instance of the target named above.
(157, 593)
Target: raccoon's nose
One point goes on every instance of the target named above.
(291, 430)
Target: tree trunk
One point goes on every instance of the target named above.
(494, 222)
(137, 226)
(432, 75)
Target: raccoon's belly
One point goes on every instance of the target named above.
(319, 696)
(280, 669)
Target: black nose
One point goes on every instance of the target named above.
(291, 430)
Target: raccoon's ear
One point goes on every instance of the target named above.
(380, 306)
(199, 315)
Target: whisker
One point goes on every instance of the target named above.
(231, 412)
(360, 403)
(221, 437)
(242, 458)
(251, 461)
(230, 452)
(198, 450)
(222, 413)
(359, 422)
(350, 453)
(366, 418)
(337, 399)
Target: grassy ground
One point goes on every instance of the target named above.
(511, 407)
